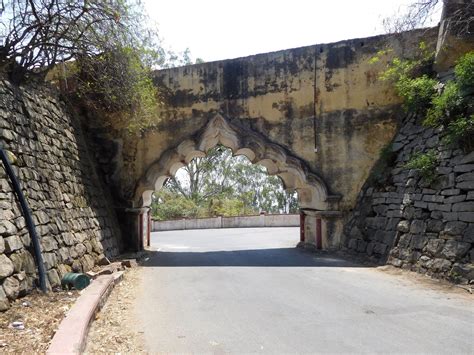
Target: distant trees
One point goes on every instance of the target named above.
(220, 184)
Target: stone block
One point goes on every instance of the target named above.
(418, 241)
(6, 266)
(441, 265)
(434, 225)
(434, 246)
(467, 159)
(404, 240)
(4, 303)
(450, 216)
(454, 227)
(80, 249)
(50, 260)
(464, 168)
(454, 249)
(2, 245)
(403, 226)
(450, 192)
(465, 185)
(7, 228)
(470, 195)
(466, 216)
(65, 256)
(13, 243)
(380, 248)
(53, 278)
(464, 207)
(352, 244)
(444, 207)
(465, 177)
(361, 246)
(417, 226)
(29, 264)
(11, 286)
(455, 199)
(468, 235)
(49, 244)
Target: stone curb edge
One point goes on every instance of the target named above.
(70, 338)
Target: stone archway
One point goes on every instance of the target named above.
(314, 196)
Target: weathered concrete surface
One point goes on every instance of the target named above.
(251, 291)
(271, 220)
(325, 96)
(316, 116)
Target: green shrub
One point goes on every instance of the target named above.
(461, 131)
(417, 93)
(425, 163)
(445, 106)
(464, 71)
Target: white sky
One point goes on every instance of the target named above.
(215, 30)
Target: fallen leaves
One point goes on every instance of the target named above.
(29, 325)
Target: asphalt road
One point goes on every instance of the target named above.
(251, 291)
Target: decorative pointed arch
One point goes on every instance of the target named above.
(312, 191)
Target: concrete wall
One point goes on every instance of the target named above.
(72, 212)
(323, 105)
(285, 220)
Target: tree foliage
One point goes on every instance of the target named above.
(102, 53)
(220, 184)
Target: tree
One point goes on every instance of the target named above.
(221, 184)
(421, 12)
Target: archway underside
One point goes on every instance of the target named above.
(312, 191)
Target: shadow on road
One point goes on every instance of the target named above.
(281, 257)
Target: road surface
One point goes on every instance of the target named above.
(251, 291)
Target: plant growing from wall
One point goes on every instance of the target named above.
(102, 51)
(425, 163)
(448, 106)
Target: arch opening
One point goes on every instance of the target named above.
(311, 189)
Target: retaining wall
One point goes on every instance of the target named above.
(273, 220)
(70, 207)
(410, 223)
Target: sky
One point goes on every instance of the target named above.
(215, 30)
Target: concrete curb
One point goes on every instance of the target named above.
(72, 332)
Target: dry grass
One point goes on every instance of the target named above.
(114, 329)
(40, 315)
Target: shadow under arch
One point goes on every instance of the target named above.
(313, 192)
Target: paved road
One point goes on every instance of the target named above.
(250, 290)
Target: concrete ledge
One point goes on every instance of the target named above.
(269, 220)
(72, 332)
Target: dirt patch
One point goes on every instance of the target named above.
(114, 329)
(29, 325)
(440, 285)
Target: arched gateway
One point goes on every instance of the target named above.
(317, 116)
(313, 193)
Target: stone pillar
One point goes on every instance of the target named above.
(320, 229)
(454, 39)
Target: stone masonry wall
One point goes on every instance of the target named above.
(408, 223)
(70, 209)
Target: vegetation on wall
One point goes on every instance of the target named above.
(221, 184)
(425, 163)
(448, 106)
(101, 54)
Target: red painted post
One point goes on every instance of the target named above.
(319, 238)
(148, 237)
(140, 231)
(302, 218)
